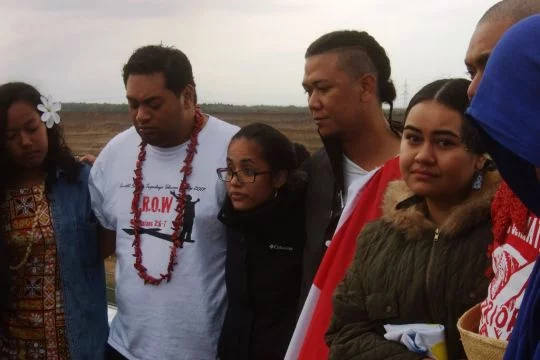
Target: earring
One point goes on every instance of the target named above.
(478, 180)
(276, 193)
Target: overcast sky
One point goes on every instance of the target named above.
(242, 51)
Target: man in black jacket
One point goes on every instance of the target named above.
(347, 78)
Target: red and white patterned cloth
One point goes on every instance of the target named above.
(517, 246)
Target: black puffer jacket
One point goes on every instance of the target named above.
(407, 271)
(324, 204)
(263, 271)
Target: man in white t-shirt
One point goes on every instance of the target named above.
(154, 188)
(347, 79)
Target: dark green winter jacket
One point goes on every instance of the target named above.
(408, 271)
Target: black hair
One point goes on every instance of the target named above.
(59, 155)
(452, 93)
(301, 152)
(170, 61)
(359, 53)
(277, 150)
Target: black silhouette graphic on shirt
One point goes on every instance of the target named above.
(187, 228)
(155, 232)
(189, 217)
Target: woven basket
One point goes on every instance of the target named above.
(478, 347)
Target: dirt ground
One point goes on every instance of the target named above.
(88, 132)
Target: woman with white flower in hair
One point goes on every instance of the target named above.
(52, 302)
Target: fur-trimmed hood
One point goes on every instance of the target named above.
(413, 221)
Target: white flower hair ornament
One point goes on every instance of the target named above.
(50, 109)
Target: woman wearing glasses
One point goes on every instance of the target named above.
(265, 220)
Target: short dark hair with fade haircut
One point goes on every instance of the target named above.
(359, 53)
(170, 61)
(515, 10)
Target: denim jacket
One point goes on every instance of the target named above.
(81, 267)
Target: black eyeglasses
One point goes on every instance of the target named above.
(243, 176)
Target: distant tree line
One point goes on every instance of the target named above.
(94, 107)
(209, 108)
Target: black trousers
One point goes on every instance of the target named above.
(112, 354)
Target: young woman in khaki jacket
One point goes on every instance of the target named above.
(425, 260)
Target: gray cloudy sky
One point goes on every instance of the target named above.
(242, 51)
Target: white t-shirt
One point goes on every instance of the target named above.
(351, 172)
(181, 319)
